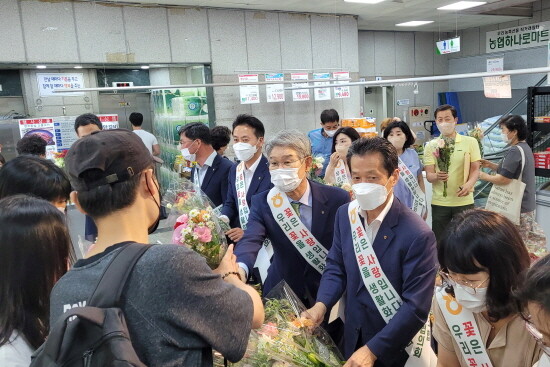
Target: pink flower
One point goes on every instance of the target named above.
(203, 233)
(177, 235)
(436, 153)
(269, 329)
(182, 220)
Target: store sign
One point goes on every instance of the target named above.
(515, 38)
(321, 94)
(300, 94)
(275, 92)
(48, 82)
(448, 46)
(342, 77)
(495, 64)
(249, 93)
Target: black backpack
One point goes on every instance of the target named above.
(95, 335)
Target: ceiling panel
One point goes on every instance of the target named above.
(382, 16)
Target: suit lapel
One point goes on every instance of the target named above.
(319, 209)
(259, 175)
(210, 172)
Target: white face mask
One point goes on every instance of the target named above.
(330, 133)
(446, 128)
(342, 150)
(370, 195)
(244, 151)
(473, 302)
(398, 141)
(286, 179)
(505, 138)
(192, 157)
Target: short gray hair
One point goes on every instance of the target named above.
(293, 139)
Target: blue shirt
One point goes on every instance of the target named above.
(401, 190)
(321, 145)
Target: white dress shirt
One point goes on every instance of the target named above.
(202, 169)
(249, 173)
(372, 228)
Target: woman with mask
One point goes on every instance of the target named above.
(534, 298)
(519, 163)
(410, 188)
(476, 319)
(297, 215)
(35, 251)
(337, 170)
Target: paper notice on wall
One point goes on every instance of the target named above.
(109, 122)
(43, 127)
(341, 92)
(48, 82)
(249, 93)
(63, 127)
(321, 94)
(495, 64)
(275, 92)
(497, 86)
(300, 94)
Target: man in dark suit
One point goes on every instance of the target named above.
(297, 215)
(211, 170)
(381, 243)
(249, 177)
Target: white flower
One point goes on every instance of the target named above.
(194, 213)
(441, 143)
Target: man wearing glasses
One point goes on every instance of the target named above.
(297, 215)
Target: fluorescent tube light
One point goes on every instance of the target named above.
(145, 67)
(461, 5)
(414, 23)
(364, 1)
(78, 67)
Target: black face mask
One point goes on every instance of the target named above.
(153, 227)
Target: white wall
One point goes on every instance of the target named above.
(231, 40)
(399, 55)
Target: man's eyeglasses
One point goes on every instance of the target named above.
(537, 335)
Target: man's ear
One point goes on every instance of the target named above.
(147, 182)
(74, 199)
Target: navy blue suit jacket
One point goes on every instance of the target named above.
(406, 250)
(261, 181)
(214, 184)
(287, 262)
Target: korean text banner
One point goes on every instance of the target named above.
(515, 38)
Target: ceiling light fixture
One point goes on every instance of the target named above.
(364, 1)
(41, 66)
(78, 67)
(145, 67)
(461, 5)
(414, 23)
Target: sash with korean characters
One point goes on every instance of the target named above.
(296, 232)
(385, 298)
(419, 199)
(463, 326)
(262, 261)
(340, 174)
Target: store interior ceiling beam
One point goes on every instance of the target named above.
(366, 83)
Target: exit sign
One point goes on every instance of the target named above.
(448, 46)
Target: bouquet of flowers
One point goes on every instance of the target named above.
(59, 158)
(286, 338)
(444, 148)
(345, 186)
(194, 222)
(477, 134)
(317, 169)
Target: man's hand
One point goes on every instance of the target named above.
(442, 176)
(235, 234)
(362, 357)
(228, 263)
(316, 313)
(464, 190)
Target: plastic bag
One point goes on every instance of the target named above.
(287, 339)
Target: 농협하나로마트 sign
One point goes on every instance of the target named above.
(515, 38)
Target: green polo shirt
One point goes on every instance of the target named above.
(463, 145)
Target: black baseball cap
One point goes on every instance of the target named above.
(117, 155)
